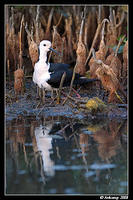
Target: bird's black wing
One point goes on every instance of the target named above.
(58, 66)
(57, 71)
(55, 78)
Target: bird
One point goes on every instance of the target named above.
(48, 75)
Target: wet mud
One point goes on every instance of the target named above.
(29, 104)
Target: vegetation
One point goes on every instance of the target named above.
(74, 31)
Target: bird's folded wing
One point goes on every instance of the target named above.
(55, 77)
(58, 66)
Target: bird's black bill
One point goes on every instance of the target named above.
(51, 49)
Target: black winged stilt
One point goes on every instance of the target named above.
(48, 75)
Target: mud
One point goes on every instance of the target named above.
(28, 104)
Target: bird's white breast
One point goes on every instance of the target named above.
(41, 74)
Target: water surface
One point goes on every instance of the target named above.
(58, 155)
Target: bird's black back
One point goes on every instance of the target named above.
(58, 66)
(57, 70)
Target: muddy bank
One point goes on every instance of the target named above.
(28, 104)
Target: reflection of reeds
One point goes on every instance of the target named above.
(17, 136)
(109, 141)
(25, 154)
(83, 140)
(107, 138)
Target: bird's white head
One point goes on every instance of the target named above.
(45, 45)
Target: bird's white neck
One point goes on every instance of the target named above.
(43, 56)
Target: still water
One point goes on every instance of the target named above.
(58, 155)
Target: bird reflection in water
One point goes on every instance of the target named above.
(55, 136)
(45, 140)
(44, 145)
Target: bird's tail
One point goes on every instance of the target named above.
(84, 80)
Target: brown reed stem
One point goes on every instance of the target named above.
(60, 87)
